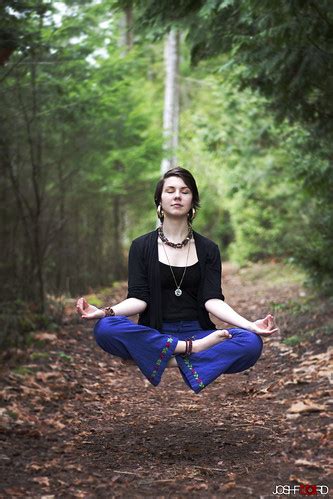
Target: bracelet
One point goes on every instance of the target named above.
(109, 312)
(188, 347)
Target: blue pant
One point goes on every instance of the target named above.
(151, 349)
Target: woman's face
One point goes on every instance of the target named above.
(176, 198)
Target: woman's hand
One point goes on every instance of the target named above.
(266, 326)
(88, 311)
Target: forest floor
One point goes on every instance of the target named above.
(77, 423)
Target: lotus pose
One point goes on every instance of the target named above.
(174, 282)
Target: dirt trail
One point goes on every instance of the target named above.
(78, 423)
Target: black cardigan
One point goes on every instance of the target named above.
(144, 277)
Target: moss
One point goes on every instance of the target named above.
(327, 329)
(107, 291)
(22, 370)
(278, 273)
(310, 334)
(292, 340)
(26, 324)
(293, 307)
(93, 299)
(12, 414)
(64, 356)
(52, 326)
(278, 306)
(32, 341)
(42, 321)
(39, 355)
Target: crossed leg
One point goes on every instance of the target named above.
(198, 346)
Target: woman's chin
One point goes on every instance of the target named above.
(175, 215)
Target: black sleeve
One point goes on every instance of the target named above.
(213, 276)
(137, 275)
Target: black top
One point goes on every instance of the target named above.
(183, 307)
(144, 280)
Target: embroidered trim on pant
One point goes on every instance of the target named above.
(194, 372)
(162, 355)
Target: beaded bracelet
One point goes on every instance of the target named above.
(109, 312)
(188, 347)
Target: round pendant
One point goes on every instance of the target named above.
(178, 292)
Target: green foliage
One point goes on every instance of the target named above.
(94, 300)
(327, 329)
(292, 340)
(39, 355)
(295, 308)
(63, 356)
(81, 140)
(284, 51)
(18, 320)
(80, 149)
(22, 371)
(235, 150)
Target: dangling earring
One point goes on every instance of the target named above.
(160, 212)
(191, 214)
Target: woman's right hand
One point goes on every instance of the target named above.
(88, 311)
(266, 326)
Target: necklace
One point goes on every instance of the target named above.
(175, 245)
(178, 291)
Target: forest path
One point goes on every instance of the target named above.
(77, 423)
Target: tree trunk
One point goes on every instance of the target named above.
(171, 101)
(118, 269)
(126, 29)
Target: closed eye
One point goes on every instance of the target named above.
(169, 191)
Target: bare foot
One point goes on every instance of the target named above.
(212, 339)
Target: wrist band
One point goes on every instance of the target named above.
(109, 312)
(188, 347)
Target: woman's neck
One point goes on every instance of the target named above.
(175, 230)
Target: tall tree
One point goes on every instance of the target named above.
(80, 140)
(171, 100)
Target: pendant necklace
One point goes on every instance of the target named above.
(178, 291)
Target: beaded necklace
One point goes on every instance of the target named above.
(175, 245)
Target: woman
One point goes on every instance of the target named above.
(174, 281)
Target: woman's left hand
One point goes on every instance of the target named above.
(266, 326)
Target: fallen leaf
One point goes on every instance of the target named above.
(45, 336)
(227, 486)
(56, 424)
(42, 480)
(309, 464)
(306, 406)
(41, 376)
(34, 467)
